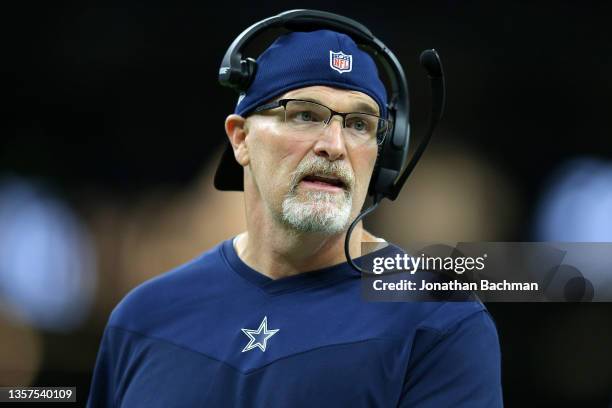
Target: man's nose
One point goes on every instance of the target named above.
(331, 143)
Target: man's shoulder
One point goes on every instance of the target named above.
(446, 316)
(436, 317)
(156, 299)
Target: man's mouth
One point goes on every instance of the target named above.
(329, 183)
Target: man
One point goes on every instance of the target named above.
(274, 317)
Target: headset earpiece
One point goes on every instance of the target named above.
(248, 68)
(238, 76)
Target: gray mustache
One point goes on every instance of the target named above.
(321, 167)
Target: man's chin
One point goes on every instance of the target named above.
(317, 214)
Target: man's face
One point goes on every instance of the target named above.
(314, 181)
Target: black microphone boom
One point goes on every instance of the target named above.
(430, 60)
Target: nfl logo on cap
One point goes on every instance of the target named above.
(340, 61)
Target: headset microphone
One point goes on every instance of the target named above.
(430, 60)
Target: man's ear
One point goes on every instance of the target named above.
(235, 127)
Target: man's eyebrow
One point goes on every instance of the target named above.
(362, 107)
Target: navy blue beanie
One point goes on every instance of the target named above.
(301, 59)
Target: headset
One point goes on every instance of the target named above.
(388, 178)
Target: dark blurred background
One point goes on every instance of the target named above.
(114, 123)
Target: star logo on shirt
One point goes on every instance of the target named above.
(259, 338)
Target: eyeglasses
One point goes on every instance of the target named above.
(306, 117)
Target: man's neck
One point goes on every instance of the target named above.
(282, 253)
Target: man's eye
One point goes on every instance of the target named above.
(305, 116)
(359, 125)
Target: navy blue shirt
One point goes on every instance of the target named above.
(217, 333)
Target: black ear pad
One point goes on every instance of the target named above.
(248, 69)
(392, 154)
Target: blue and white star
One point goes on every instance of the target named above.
(259, 338)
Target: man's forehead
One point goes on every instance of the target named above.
(343, 100)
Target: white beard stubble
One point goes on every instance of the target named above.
(318, 211)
